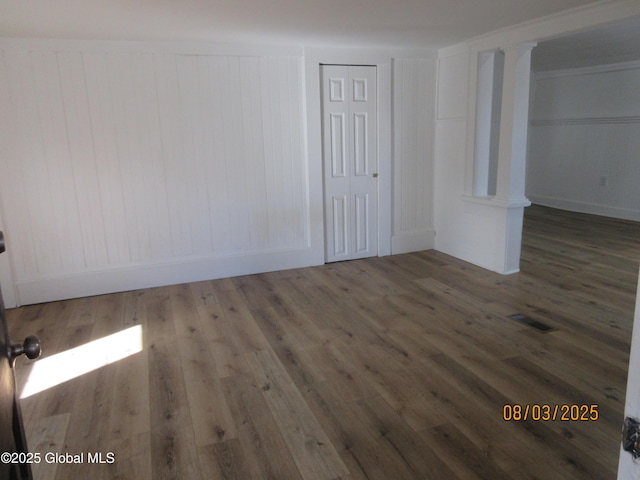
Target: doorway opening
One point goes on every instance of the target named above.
(581, 160)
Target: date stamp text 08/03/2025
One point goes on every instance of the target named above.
(550, 412)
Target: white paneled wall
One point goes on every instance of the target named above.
(467, 228)
(413, 152)
(584, 140)
(123, 169)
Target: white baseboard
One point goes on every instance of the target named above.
(413, 241)
(84, 284)
(105, 281)
(584, 207)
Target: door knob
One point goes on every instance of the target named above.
(31, 348)
(631, 436)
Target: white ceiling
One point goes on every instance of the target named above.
(394, 23)
(615, 43)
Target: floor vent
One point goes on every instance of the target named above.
(541, 327)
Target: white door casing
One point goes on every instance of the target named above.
(349, 125)
(6, 273)
(629, 469)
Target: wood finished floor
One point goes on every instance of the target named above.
(385, 368)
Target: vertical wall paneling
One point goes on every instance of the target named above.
(99, 165)
(413, 133)
(173, 145)
(584, 140)
(298, 188)
(194, 188)
(273, 223)
(127, 169)
(464, 230)
(222, 211)
(237, 168)
(14, 127)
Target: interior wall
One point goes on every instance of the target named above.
(584, 140)
(6, 278)
(466, 227)
(127, 169)
(406, 92)
(130, 165)
(413, 152)
(477, 229)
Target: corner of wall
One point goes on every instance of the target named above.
(413, 241)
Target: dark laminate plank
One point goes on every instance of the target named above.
(394, 367)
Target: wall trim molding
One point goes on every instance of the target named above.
(100, 282)
(595, 69)
(413, 241)
(150, 47)
(584, 121)
(556, 24)
(585, 207)
(496, 202)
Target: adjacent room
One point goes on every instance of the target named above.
(583, 135)
(298, 241)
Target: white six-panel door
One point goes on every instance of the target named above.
(349, 124)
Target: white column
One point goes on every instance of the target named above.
(513, 125)
(513, 149)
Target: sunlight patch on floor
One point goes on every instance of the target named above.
(61, 367)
